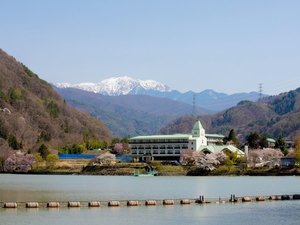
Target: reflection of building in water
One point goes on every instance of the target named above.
(168, 147)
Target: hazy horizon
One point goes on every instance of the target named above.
(227, 46)
(171, 89)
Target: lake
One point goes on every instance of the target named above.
(45, 188)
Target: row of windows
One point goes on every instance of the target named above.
(160, 147)
(157, 141)
(161, 152)
(214, 139)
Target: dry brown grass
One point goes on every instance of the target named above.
(74, 166)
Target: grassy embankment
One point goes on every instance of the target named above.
(238, 171)
(130, 168)
(80, 166)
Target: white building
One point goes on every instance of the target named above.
(168, 147)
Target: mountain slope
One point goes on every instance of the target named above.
(128, 114)
(209, 99)
(275, 116)
(31, 112)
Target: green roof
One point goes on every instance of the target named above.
(197, 125)
(162, 137)
(271, 140)
(172, 136)
(215, 135)
(219, 148)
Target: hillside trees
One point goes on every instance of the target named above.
(13, 143)
(95, 144)
(231, 138)
(3, 130)
(286, 103)
(275, 115)
(73, 149)
(44, 151)
(253, 140)
(281, 144)
(4, 152)
(32, 113)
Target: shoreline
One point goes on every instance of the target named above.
(251, 173)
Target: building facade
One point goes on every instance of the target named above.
(169, 147)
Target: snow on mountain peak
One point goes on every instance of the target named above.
(118, 86)
(63, 85)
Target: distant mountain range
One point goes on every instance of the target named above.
(129, 115)
(275, 116)
(208, 99)
(116, 86)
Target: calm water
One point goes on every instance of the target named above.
(85, 188)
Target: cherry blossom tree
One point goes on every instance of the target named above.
(264, 157)
(18, 162)
(118, 148)
(201, 160)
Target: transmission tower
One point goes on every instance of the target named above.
(260, 89)
(194, 104)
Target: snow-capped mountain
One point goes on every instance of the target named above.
(118, 86)
(115, 86)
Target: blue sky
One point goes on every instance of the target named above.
(228, 46)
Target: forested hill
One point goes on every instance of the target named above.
(274, 116)
(31, 112)
(128, 114)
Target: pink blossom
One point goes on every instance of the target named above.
(202, 160)
(18, 162)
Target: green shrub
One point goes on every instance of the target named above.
(3, 96)
(44, 151)
(51, 160)
(74, 149)
(53, 109)
(13, 143)
(2, 160)
(222, 170)
(3, 131)
(38, 158)
(45, 136)
(94, 144)
(14, 95)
